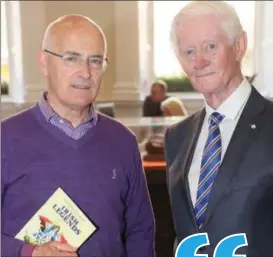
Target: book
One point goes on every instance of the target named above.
(59, 219)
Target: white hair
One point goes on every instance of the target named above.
(175, 106)
(230, 21)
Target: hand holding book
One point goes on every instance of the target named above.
(54, 248)
(59, 220)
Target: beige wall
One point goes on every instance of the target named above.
(32, 27)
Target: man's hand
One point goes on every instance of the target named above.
(54, 248)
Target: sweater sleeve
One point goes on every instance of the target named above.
(10, 245)
(139, 234)
(14, 247)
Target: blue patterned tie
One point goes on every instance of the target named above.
(210, 164)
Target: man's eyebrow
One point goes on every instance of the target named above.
(96, 56)
(90, 56)
(72, 53)
(209, 41)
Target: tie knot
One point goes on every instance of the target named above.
(216, 117)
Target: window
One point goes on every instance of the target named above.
(165, 63)
(4, 51)
(11, 49)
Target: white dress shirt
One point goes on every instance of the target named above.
(232, 109)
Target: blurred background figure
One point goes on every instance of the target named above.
(152, 103)
(154, 144)
(173, 106)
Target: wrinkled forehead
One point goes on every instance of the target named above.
(80, 39)
(196, 30)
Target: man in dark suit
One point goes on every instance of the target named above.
(220, 159)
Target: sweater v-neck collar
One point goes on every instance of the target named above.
(60, 135)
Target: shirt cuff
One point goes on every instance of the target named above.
(27, 250)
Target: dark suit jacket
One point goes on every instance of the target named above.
(242, 195)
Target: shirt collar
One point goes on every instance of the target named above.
(48, 112)
(231, 107)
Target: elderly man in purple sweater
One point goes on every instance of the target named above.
(63, 142)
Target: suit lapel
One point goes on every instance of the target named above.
(240, 142)
(187, 152)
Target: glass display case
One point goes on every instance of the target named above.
(150, 133)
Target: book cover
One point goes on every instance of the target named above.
(59, 219)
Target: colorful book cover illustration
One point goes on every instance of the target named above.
(59, 219)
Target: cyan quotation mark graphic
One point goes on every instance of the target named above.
(225, 248)
(189, 246)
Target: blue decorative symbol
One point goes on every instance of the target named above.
(228, 246)
(189, 246)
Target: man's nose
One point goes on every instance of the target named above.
(200, 62)
(86, 71)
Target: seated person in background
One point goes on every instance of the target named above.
(154, 145)
(173, 106)
(151, 106)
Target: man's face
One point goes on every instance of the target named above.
(74, 83)
(157, 93)
(206, 55)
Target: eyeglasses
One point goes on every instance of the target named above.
(75, 60)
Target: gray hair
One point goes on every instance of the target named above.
(231, 23)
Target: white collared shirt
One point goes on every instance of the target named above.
(232, 109)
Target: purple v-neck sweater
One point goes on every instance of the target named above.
(102, 172)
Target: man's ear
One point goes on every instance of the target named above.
(241, 46)
(42, 62)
